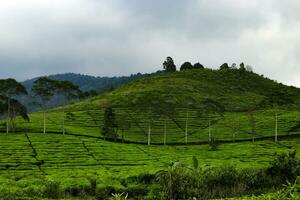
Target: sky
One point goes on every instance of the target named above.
(122, 37)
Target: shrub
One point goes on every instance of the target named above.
(214, 144)
(52, 189)
(285, 166)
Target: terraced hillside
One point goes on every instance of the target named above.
(174, 107)
(30, 161)
(239, 112)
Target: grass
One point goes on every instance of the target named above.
(35, 164)
(74, 161)
(230, 127)
(238, 93)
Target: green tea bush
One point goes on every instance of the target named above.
(52, 189)
(181, 182)
(285, 166)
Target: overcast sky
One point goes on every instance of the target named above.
(120, 37)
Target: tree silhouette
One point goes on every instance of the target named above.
(109, 129)
(198, 66)
(68, 91)
(186, 66)
(10, 88)
(169, 65)
(224, 66)
(44, 88)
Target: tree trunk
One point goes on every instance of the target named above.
(44, 122)
(276, 126)
(165, 132)
(209, 130)
(149, 133)
(63, 120)
(186, 127)
(8, 115)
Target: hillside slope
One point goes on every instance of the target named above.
(235, 91)
(85, 82)
(249, 103)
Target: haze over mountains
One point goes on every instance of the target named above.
(86, 83)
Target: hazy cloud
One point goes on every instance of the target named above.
(117, 37)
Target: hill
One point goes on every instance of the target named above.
(85, 82)
(235, 91)
(186, 106)
(193, 112)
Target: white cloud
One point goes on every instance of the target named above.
(118, 37)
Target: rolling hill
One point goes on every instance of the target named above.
(187, 110)
(243, 106)
(85, 82)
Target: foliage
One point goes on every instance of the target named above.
(10, 87)
(169, 65)
(224, 66)
(16, 108)
(67, 89)
(186, 66)
(198, 66)
(195, 162)
(52, 189)
(214, 144)
(242, 68)
(109, 124)
(181, 182)
(286, 166)
(291, 191)
(44, 88)
(121, 196)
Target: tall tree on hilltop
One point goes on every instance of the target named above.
(224, 66)
(186, 66)
(242, 68)
(10, 88)
(44, 88)
(198, 66)
(169, 65)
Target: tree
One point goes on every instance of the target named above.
(210, 108)
(150, 105)
(242, 68)
(169, 65)
(44, 88)
(10, 88)
(68, 91)
(109, 128)
(224, 66)
(165, 110)
(198, 66)
(123, 124)
(186, 66)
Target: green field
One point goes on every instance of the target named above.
(32, 162)
(27, 160)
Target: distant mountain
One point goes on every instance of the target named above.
(85, 82)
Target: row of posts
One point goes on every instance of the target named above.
(209, 130)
